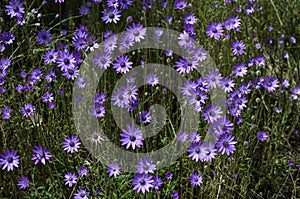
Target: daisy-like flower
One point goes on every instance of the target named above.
(71, 144)
(81, 194)
(212, 113)
(98, 110)
(96, 138)
(152, 79)
(9, 159)
(43, 37)
(40, 154)
(6, 113)
(15, 8)
(81, 82)
(50, 57)
(136, 32)
(23, 182)
(185, 65)
(213, 79)
(196, 179)
(70, 179)
(262, 136)
(185, 40)
(197, 152)
(211, 151)
(99, 98)
(197, 99)
(27, 110)
(124, 4)
(227, 85)
(182, 137)
(48, 97)
(232, 23)
(240, 70)
(226, 144)
(132, 137)
(82, 171)
(175, 195)
(7, 37)
(215, 30)
(111, 15)
(142, 182)
(199, 54)
(66, 60)
(145, 166)
(103, 60)
(189, 18)
(113, 169)
(120, 97)
(270, 83)
(238, 48)
(180, 4)
(122, 64)
(144, 117)
(157, 182)
(71, 73)
(169, 175)
(188, 88)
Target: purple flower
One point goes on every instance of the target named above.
(169, 175)
(81, 82)
(70, 179)
(157, 182)
(214, 30)
(189, 88)
(182, 137)
(175, 195)
(124, 4)
(6, 113)
(212, 113)
(48, 97)
(122, 64)
(145, 166)
(227, 85)
(290, 163)
(40, 154)
(27, 110)
(210, 151)
(185, 65)
(226, 144)
(239, 70)
(197, 151)
(185, 40)
(132, 137)
(196, 179)
(50, 57)
(83, 171)
(43, 37)
(81, 194)
(7, 37)
(15, 8)
(84, 10)
(120, 97)
(144, 117)
(262, 136)
(98, 110)
(113, 169)
(238, 48)
(152, 79)
(71, 144)
(9, 159)
(23, 182)
(180, 4)
(111, 15)
(71, 73)
(270, 83)
(136, 32)
(232, 23)
(189, 18)
(213, 79)
(99, 98)
(142, 182)
(103, 60)
(197, 99)
(65, 60)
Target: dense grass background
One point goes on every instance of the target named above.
(262, 168)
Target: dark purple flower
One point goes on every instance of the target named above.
(122, 64)
(186, 40)
(270, 83)
(175, 195)
(48, 97)
(84, 10)
(232, 23)
(50, 57)
(66, 60)
(71, 73)
(157, 182)
(15, 8)
(196, 179)
(214, 30)
(169, 175)
(226, 144)
(98, 110)
(212, 113)
(189, 18)
(103, 60)
(9, 159)
(132, 137)
(238, 48)
(83, 171)
(180, 4)
(249, 9)
(113, 169)
(71, 144)
(197, 99)
(213, 79)
(124, 4)
(152, 79)
(144, 117)
(27, 110)
(6, 113)
(142, 182)
(40, 154)
(43, 37)
(239, 70)
(81, 194)
(70, 179)
(7, 37)
(145, 166)
(227, 85)
(197, 151)
(210, 151)
(99, 98)
(111, 15)
(120, 97)
(262, 136)
(290, 163)
(23, 182)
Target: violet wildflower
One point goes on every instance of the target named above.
(98, 110)
(226, 144)
(157, 182)
(262, 136)
(6, 113)
(175, 195)
(9, 159)
(227, 85)
(15, 8)
(169, 175)
(7, 37)
(214, 30)
(197, 152)
(103, 60)
(196, 179)
(145, 166)
(240, 70)
(186, 40)
(144, 117)
(48, 97)
(182, 137)
(66, 60)
(27, 110)
(71, 144)
(50, 57)
(132, 137)
(40, 154)
(232, 23)
(70, 179)
(82, 171)
(180, 4)
(111, 15)
(113, 169)
(270, 83)
(213, 79)
(136, 32)
(238, 48)
(43, 37)
(122, 64)
(23, 182)
(212, 113)
(142, 182)
(81, 194)
(152, 79)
